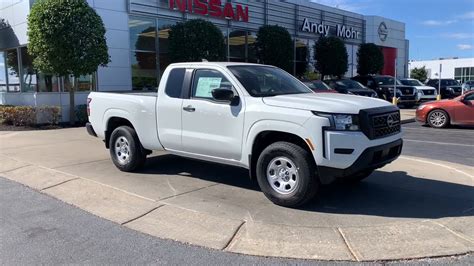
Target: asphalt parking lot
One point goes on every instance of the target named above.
(453, 144)
(417, 207)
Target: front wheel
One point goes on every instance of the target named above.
(286, 174)
(438, 119)
(126, 150)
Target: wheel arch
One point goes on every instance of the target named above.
(263, 138)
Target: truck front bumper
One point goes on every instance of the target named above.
(90, 129)
(370, 159)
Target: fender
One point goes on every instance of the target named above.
(147, 138)
(269, 125)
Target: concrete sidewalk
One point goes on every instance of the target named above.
(407, 115)
(412, 208)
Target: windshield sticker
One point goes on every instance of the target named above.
(205, 86)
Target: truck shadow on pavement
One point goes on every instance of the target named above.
(385, 194)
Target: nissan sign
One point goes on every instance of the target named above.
(383, 31)
(212, 8)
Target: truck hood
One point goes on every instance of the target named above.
(325, 102)
(424, 88)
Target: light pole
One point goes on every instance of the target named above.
(438, 97)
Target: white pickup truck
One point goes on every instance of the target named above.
(253, 116)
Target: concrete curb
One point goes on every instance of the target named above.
(165, 219)
(407, 121)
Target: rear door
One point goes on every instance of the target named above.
(212, 128)
(169, 108)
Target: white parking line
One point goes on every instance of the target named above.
(438, 143)
(437, 164)
(438, 129)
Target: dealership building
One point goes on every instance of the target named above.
(137, 65)
(460, 69)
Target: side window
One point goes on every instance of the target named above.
(206, 80)
(469, 97)
(174, 84)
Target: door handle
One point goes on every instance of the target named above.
(189, 108)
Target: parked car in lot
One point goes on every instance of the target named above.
(252, 116)
(450, 88)
(385, 88)
(468, 85)
(349, 86)
(424, 93)
(318, 86)
(439, 114)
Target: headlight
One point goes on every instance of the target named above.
(450, 89)
(342, 121)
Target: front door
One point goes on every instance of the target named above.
(464, 111)
(211, 128)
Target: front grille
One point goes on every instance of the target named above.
(457, 89)
(428, 92)
(385, 125)
(407, 91)
(373, 121)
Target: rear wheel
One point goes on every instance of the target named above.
(125, 149)
(438, 119)
(286, 174)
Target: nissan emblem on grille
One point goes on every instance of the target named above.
(390, 121)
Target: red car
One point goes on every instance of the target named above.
(439, 114)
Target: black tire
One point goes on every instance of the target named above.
(357, 178)
(136, 156)
(307, 183)
(433, 122)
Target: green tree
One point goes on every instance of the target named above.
(66, 37)
(195, 40)
(330, 56)
(275, 47)
(369, 59)
(419, 73)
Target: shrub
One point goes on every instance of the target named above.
(330, 56)
(81, 114)
(30, 115)
(275, 47)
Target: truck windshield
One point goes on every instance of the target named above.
(265, 81)
(449, 82)
(411, 82)
(386, 81)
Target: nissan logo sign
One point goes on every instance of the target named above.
(383, 31)
(390, 121)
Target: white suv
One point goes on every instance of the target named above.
(424, 93)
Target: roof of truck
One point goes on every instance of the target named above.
(221, 64)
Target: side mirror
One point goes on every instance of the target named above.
(224, 95)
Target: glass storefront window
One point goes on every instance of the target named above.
(13, 73)
(251, 48)
(301, 56)
(47, 83)
(28, 72)
(85, 83)
(164, 27)
(3, 73)
(144, 74)
(237, 43)
(142, 34)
